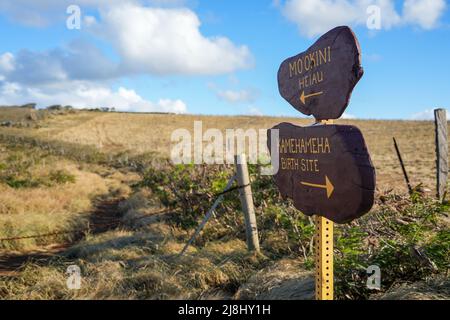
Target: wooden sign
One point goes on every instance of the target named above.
(326, 170)
(320, 80)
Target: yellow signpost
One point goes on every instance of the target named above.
(319, 82)
(324, 258)
(324, 245)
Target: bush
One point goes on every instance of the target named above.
(61, 177)
(16, 170)
(410, 245)
(402, 235)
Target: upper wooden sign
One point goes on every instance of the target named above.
(320, 80)
(325, 169)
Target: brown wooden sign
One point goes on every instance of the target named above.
(320, 80)
(325, 169)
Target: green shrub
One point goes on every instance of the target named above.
(412, 247)
(61, 177)
(16, 170)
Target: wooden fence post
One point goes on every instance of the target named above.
(245, 193)
(440, 123)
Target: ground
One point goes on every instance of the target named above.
(96, 191)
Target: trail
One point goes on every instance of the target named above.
(104, 139)
(104, 217)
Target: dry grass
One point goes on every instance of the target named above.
(138, 133)
(284, 280)
(44, 210)
(136, 265)
(59, 207)
(15, 114)
(435, 289)
(28, 117)
(140, 262)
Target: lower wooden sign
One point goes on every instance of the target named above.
(325, 169)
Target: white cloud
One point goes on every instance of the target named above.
(89, 21)
(314, 17)
(10, 89)
(276, 3)
(425, 13)
(85, 94)
(78, 61)
(232, 96)
(372, 57)
(254, 111)
(43, 13)
(427, 114)
(348, 116)
(147, 40)
(6, 62)
(168, 41)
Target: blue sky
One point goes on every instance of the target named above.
(217, 56)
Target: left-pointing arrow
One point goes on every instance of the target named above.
(327, 186)
(304, 96)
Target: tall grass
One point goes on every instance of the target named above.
(41, 193)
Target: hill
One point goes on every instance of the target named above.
(139, 133)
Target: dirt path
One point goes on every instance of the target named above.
(104, 217)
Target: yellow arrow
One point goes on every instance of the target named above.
(328, 186)
(303, 97)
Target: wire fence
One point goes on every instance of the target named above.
(112, 222)
(121, 221)
(385, 182)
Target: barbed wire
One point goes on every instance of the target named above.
(39, 235)
(111, 222)
(116, 222)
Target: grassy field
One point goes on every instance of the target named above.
(138, 133)
(80, 170)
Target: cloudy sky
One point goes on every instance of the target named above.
(216, 56)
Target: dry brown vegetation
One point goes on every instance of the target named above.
(138, 133)
(70, 161)
(34, 201)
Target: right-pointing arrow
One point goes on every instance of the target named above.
(327, 186)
